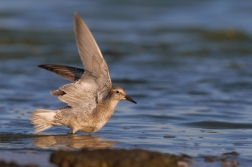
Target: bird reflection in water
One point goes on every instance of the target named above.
(69, 142)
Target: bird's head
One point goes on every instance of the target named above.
(118, 93)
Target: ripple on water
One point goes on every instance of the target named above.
(219, 125)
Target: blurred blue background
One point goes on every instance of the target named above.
(188, 64)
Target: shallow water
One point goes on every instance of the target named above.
(188, 65)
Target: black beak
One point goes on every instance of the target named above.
(130, 99)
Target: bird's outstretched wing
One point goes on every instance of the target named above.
(67, 72)
(95, 83)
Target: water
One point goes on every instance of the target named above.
(188, 65)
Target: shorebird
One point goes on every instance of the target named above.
(91, 99)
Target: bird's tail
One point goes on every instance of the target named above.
(42, 119)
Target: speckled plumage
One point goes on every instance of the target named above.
(87, 108)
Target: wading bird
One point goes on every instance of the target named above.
(91, 99)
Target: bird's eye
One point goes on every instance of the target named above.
(117, 92)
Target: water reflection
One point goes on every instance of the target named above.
(71, 141)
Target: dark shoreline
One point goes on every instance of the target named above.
(113, 158)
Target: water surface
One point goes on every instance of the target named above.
(188, 65)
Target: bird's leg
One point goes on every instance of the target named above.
(73, 131)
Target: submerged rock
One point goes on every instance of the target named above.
(112, 158)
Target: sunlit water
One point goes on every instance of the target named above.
(188, 65)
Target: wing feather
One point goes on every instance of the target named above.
(95, 81)
(67, 72)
